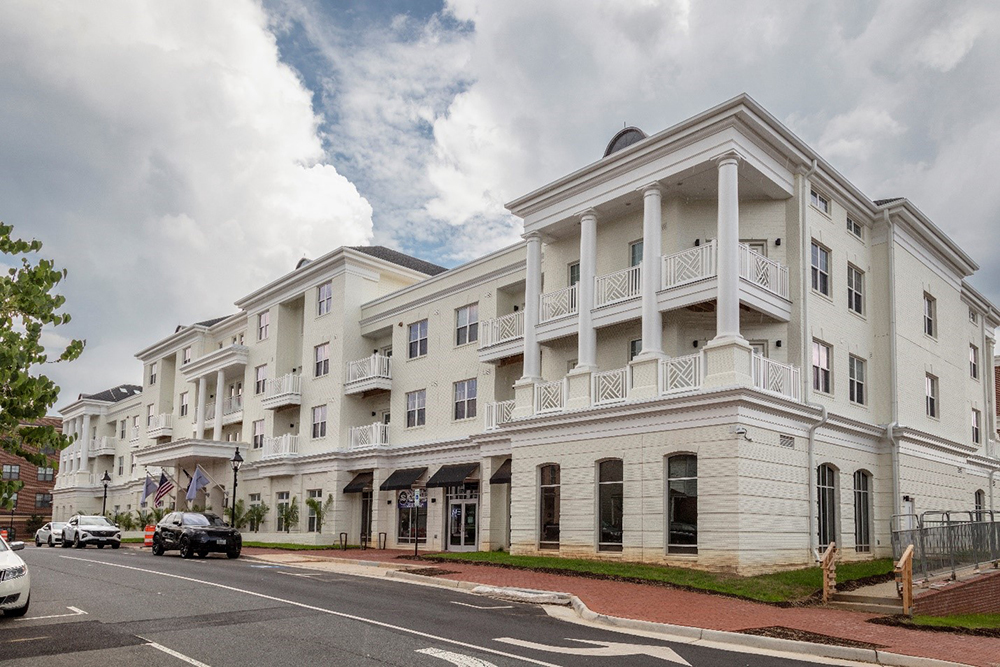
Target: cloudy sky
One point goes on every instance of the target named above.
(174, 156)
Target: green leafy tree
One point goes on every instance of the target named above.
(257, 514)
(288, 514)
(320, 509)
(34, 522)
(156, 514)
(27, 306)
(144, 517)
(242, 515)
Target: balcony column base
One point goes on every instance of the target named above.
(524, 398)
(645, 372)
(728, 362)
(578, 382)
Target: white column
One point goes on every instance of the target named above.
(587, 339)
(652, 233)
(220, 381)
(728, 305)
(202, 390)
(85, 445)
(532, 304)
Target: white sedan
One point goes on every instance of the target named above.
(15, 582)
(50, 534)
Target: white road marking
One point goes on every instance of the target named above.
(76, 612)
(605, 649)
(340, 614)
(24, 639)
(456, 658)
(170, 651)
(476, 606)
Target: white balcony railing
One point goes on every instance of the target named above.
(282, 392)
(763, 272)
(133, 435)
(232, 405)
(499, 413)
(281, 446)
(550, 396)
(209, 412)
(610, 386)
(103, 446)
(618, 286)
(501, 329)
(688, 266)
(776, 377)
(559, 304)
(370, 435)
(681, 373)
(374, 366)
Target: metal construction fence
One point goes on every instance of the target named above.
(947, 541)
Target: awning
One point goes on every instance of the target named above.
(451, 475)
(361, 481)
(402, 479)
(502, 475)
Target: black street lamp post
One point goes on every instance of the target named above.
(236, 462)
(106, 480)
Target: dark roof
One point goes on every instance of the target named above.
(206, 323)
(623, 139)
(400, 259)
(883, 202)
(115, 394)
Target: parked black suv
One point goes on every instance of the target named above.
(196, 533)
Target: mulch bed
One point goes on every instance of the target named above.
(905, 622)
(430, 571)
(781, 632)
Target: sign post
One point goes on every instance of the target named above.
(415, 525)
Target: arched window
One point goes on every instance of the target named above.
(682, 504)
(611, 497)
(862, 512)
(826, 504)
(980, 505)
(548, 533)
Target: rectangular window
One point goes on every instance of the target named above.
(319, 421)
(280, 506)
(122, 428)
(43, 500)
(634, 348)
(416, 412)
(152, 373)
(11, 472)
(930, 315)
(682, 504)
(931, 391)
(820, 202)
(973, 317)
(121, 466)
(149, 415)
(976, 432)
(853, 227)
(855, 290)
(412, 517)
(184, 404)
(856, 371)
(574, 273)
(467, 324)
(260, 379)
(46, 474)
(465, 399)
(186, 356)
(313, 521)
(258, 434)
(321, 359)
(263, 324)
(324, 298)
(635, 253)
(549, 510)
(417, 339)
(822, 367)
(610, 505)
(974, 362)
(820, 269)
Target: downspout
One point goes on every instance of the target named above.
(811, 473)
(893, 381)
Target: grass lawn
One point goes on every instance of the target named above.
(973, 621)
(778, 587)
(132, 540)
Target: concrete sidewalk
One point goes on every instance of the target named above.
(659, 604)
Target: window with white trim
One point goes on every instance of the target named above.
(820, 201)
(122, 426)
(263, 324)
(682, 504)
(416, 408)
(574, 273)
(321, 360)
(324, 298)
(465, 399)
(260, 379)
(820, 269)
(930, 315)
(973, 316)
(931, 396)
(149, 415)
(417, 339)
(853, 227)
(121, 466)
(855, 289)
(183, 401)
(313, 521)
(634, 348)
(258, 434)
(152, 373)
(826, 508)
(856, 372)
(610, 504)
(635, 253)
(467, 324)
(973, 362)
(976, 422)
(822, 367)
(186, 356)
(319, 421)
(862, 512)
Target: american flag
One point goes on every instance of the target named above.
(166, 486)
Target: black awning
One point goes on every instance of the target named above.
(361, 482)
(502, 475)
(402, 479)
(451, 475)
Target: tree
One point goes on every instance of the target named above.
(320, 509)
(288, 514)
(34, 522)
(242, 515)
(256, 515)
(27, 306)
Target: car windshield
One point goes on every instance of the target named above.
(57, 525)
(95, 521)
(202, 520)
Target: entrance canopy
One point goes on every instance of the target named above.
(361, 482)
(502, 475)
(451, 475)
(402, 479)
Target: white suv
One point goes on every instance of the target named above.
(84, 529)
(15, 582)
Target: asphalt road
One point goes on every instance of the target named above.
(127, 607)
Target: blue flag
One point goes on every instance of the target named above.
(198, 482)
(148, 488)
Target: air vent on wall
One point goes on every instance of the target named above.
(786, 441)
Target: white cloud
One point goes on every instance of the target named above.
(168, 158)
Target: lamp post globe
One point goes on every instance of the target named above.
(105, 480)
(236, 462)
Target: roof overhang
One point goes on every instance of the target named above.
(188, 451)
(232, 356)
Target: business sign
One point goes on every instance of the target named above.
(408, 499)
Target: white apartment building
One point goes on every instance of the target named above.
(710, 350)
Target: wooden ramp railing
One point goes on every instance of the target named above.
(829, 564)
(904, 579)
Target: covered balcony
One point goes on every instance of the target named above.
(283, 392)
(160, 426)
(501, 337)
(282, 446)
(103, 446)
(373, 373)
(368, 436)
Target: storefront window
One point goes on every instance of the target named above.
(412, 516)
(611, 494)
(549, 519)
(682, 504)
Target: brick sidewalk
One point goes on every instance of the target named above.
(660, 604)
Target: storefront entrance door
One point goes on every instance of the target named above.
(462, 525)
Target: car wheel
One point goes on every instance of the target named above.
(38, 542)
(185, 546)
(65, 543)
(157, 548)
(233, 553)
(51, 543)
(19, 611)
(77, 544)
(115, 545)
